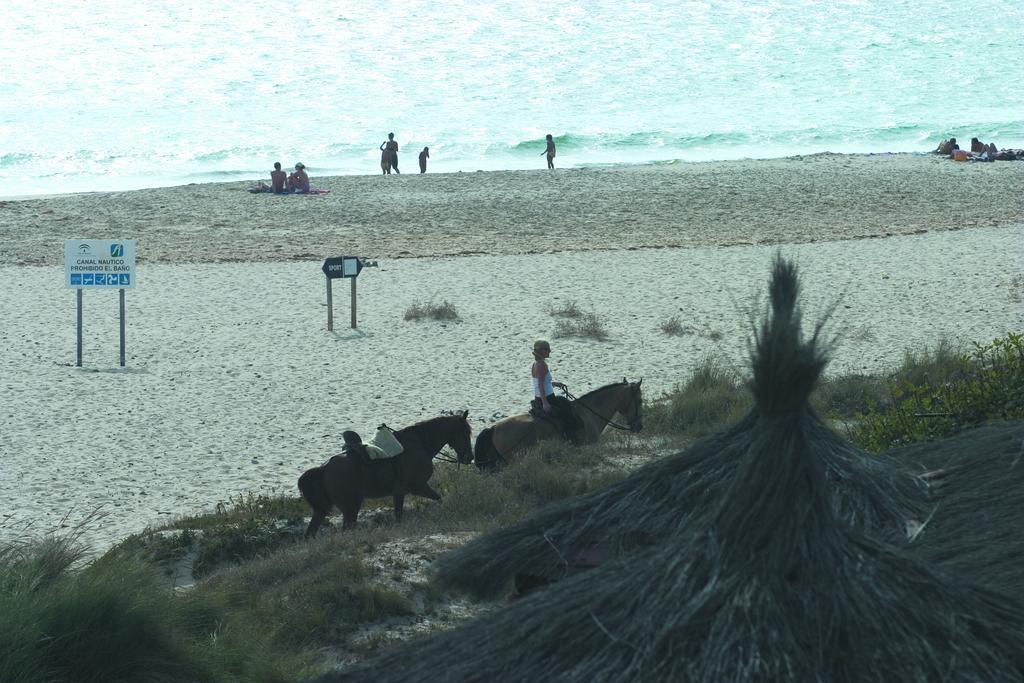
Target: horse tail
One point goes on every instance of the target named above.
(483, 449)
(311, 485)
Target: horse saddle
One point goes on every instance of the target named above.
(563, 423)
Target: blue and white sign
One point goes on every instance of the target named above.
(99, 264)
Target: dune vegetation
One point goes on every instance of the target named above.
(238, 595)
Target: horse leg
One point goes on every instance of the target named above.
(314, 524)
(350, 513)
(399, 501)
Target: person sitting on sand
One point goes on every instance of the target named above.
(947, 146)
(424, 155)
(550, 151)
(977, 146)
(277, 181)
(544, 391)
(298, 181)
(278, 178)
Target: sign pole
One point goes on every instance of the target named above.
(330, 307)
(121, 297)
(353, 302)
(79, 345)
(342, 266)
(99, 264)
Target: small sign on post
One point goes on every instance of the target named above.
(343, 267)
(99, 264)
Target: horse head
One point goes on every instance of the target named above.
(460, 440)
(633, 409)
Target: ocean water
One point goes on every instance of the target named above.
(118, 95)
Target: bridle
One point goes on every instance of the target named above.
(635, 422)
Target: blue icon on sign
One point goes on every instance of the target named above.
(76, 278)
(124, 279)
(87, 278)
(117, 250)
(101, 279)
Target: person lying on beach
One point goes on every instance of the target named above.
(550, 151)
(298, 181)
(977, 146)
(947, 146)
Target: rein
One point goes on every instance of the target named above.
(608, 420)
(444, 457)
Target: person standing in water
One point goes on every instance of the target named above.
(424, 155)
(390, 153)
(550, 151)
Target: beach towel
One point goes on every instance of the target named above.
(315, 190)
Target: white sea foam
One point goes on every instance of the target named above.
(122, 95)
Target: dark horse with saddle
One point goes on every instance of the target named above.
(350, 477)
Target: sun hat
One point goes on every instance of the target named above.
(300, 165)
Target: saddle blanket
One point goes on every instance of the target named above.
(385, 442)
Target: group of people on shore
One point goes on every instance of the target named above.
(389, 156)
(979, 151)
(281, 183)
(298, 180)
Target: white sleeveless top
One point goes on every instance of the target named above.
(544, 385)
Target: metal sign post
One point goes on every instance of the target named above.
(99, 264)
(343, 267)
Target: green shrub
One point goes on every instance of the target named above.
(710, 399)
(985, 384)
(550, 471)
(242, 528)
(844, 396)
(111, 620)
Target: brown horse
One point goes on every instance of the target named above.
(595, 410)
(345, 481)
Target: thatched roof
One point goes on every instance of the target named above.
(681, 490)
(976, 505)
(770, 584)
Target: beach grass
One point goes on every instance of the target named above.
(587, 326)
(674, 327)
(568, 309)
(271, 604)
(445, 310)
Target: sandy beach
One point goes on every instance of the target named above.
(233, 383)
(777, 201)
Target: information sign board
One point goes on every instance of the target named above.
(342, 266)
(99, 264)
